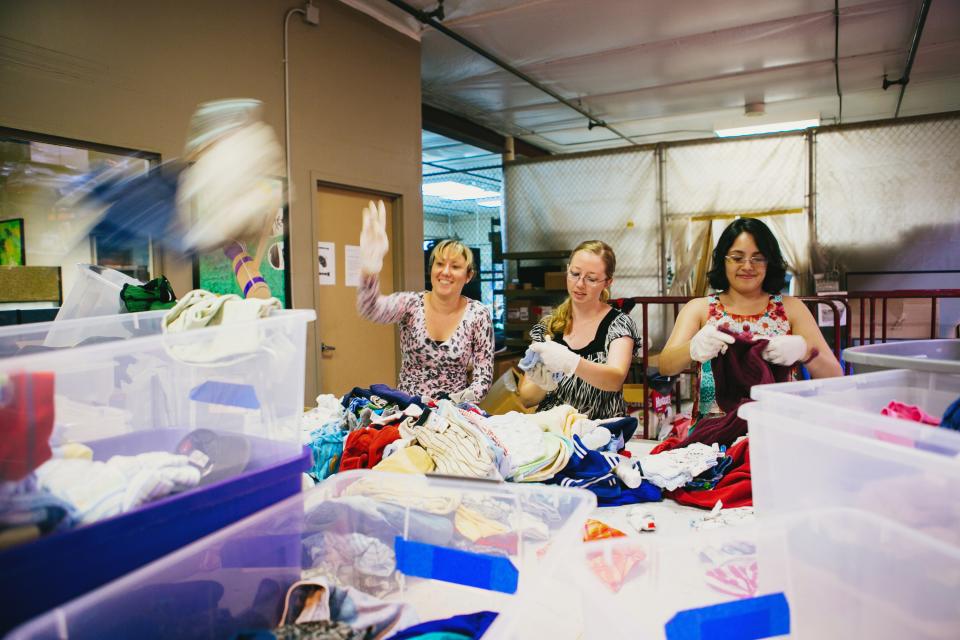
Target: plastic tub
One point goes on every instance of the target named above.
(96, 292)
(241, 385)
(939, 356)
(813, 456)
(865, 394)
(401, 538)
(824, 574)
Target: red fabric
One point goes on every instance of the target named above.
(356, 449)
(26, 417)
(908, 412)
(379, 442)
(506, 541)
(624, 453)
(734, 489)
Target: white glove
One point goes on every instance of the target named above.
(373, 238)
(785, 350)
(556, 357)
(708, 343)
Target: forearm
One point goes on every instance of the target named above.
(825, 365)
(602, 376)
(375, 307)
(675, 359)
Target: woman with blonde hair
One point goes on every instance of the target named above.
(446, 339)
(587, 341)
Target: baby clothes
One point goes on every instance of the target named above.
(673, 469)
(100, 490)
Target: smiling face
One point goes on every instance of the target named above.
(586, 277)
(450, 272)
(746, 267)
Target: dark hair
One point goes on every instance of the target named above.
(776, 275)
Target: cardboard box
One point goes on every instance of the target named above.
(502, 397)
(907, 318)
(555, 280)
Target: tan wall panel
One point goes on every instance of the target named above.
(130, 74)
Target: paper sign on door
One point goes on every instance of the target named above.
(326, 263)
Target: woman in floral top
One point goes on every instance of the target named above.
(749, 272)
(446, 339)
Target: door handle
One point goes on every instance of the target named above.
(324, 347)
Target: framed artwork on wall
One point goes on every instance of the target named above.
(12, 251)
(260, 262)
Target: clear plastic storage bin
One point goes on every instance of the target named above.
(824, 443)
(820, 575)
(95, 292)
(939, 356)
(230, 396)
(440, 546)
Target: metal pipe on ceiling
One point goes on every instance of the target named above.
(429, 20)
(836, 55)
(914, 45)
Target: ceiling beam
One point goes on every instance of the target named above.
(459, 128)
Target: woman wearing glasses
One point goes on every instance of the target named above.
(748, 272)
(586, 340)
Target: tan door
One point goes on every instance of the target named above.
(354, 352)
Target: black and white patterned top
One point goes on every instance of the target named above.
(573, 390)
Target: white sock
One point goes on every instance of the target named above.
(628, 474)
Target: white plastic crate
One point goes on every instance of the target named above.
(940, 356)
(95, 292)
(401, 538)
(234, 392)
(823, 574)
(824, 443)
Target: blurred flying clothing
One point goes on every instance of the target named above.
(154, 295)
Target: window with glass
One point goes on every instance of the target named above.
(41, 231)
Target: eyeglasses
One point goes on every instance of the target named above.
(756, 261)
(590, 281)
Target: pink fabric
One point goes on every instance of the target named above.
(908, 412)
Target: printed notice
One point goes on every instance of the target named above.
(351, 265)
(326, 264)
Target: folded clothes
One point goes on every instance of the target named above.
(99, 490)
(673, 469)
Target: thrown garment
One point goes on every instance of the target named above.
(470, 626)
(428, 367)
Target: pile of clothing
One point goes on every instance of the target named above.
(382, 428)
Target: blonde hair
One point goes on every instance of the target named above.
(560, 321)
(456, 247)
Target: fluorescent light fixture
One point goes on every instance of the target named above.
(449, 190)
(772, 127)
(490, 203)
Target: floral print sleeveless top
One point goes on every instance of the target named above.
(771, 322)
